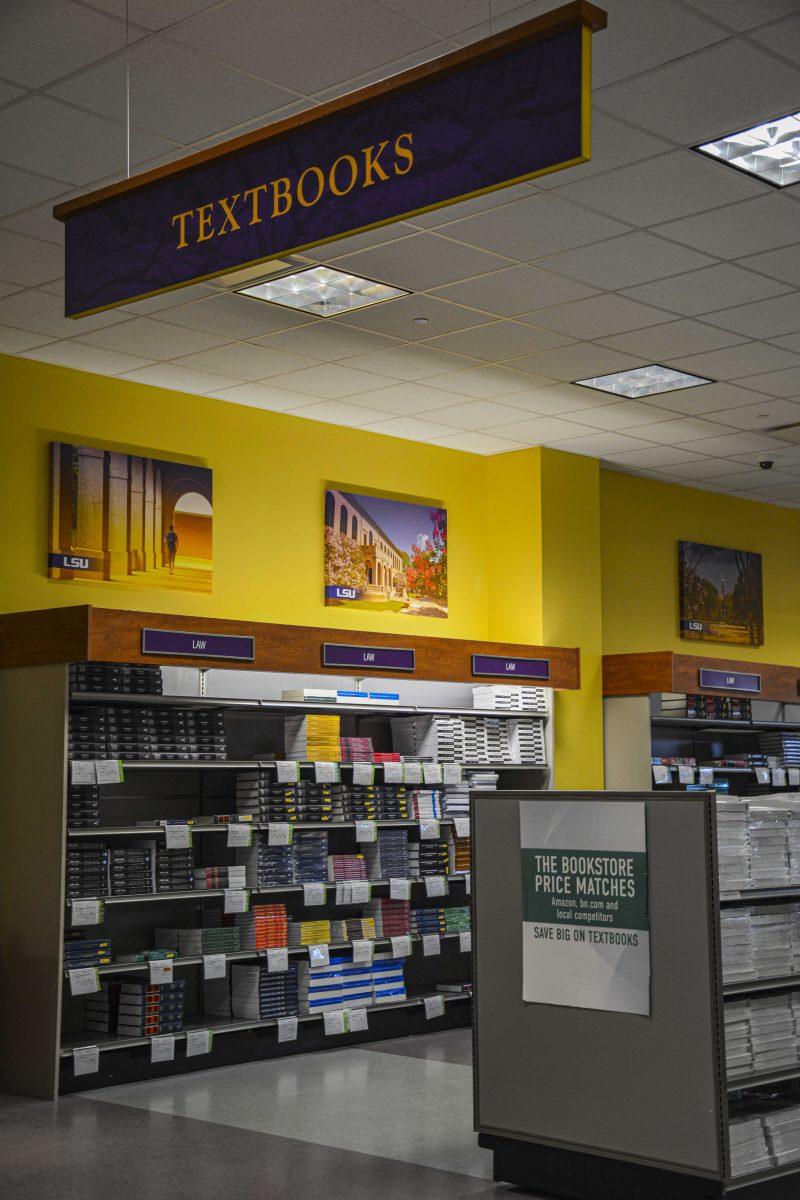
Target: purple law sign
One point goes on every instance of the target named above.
(511, 107)
(198, 645)
(516, 668)
(730, 681)
(371, 658)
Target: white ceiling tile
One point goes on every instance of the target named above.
(12, 341)
(787, 491)
(698, 401)
(783, 38)
(420, 262)
(624, 415)
(662, 189)
(158, 305)
(579, 361)
(233, 317)
(152, 339)
(49, 138)
(623, 261)
(154, 14)
(244, 360)
(403, 399)
(468, 208)
(786, 458)
(515, 290)
(502, 340)
(764, 413)
(655, 457)
(535, 431)
(41, 312)
(331, 381)
(478, 414)
(7, 289)
(752, 225)
(360, 241)
(175, 92)
(442, 16)
(308, 45)
(180, 379)
(677, 430)
(19, 189)
(9, 91)
(259, 395)
(789, 341)
(720, 286)
(327, 340)
(338, 412)
(559, 400)
(55, 287)
(411, 361)
(531, 228)
(484, 381)
(763, 319)
(726, 445)
(85, 358)
(614, 144)
(702, 467)
(775, 383)
(412, 428)
(675, 338)
(26, 261)
(599, 316)
(641, 36)
(73, 37)
(598, 445)
(702, 96)
(754, 480)
(735, 362)
(427, 52)
(744, 14)
(478, 443)
(397, 317)
(783, 264)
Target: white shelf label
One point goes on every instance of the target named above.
(393, 772)
(779, 777)
(83, 773)
(277, 960)
(162, 1048)
(237, 900)
(178, 837)
(326, 772)
(461, 826)
(240, 834)
(313, 894)
(434, 1007)
(428, 831)
(431, 944)
(318, 955)
(685, 774)
(356, 1019)
(465, 941)
(432, 774)
(435, 885)
(399, 889)
(762, 775)
(86, 1060)
(198, 1041)
(794, 777)
(334, 1022)
(452, 774)
(344, 892)
(86, 912)
(363, 774)
(661, 773)
(160, 970)
(468, 882)
(215, 966)
(83, 981)
(412, 772)
(279, 833)
(288, 771)
(287, 1029)
(366, 831)
(360, 891)
(109, 770)
(401, 947)
(362, 950)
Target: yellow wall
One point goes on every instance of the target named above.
(641, 523)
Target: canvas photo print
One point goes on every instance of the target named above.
(721, 595)
(129, 520)
(385, 555)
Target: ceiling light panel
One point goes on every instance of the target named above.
(322, 291)
(643, 381)
(770, 151)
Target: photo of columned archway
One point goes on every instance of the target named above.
(129, 520)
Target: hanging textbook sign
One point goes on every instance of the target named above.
(504, 109)
(585, 928)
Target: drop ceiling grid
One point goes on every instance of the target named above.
(610, 264)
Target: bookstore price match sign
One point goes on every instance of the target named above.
(585, 927)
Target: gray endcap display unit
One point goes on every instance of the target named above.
(592, 1102)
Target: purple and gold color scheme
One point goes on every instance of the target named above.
(371, 658)
(198, 645)
(730, 681)
(505, 109)
(514, 668)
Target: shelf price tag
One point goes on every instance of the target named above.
(86, 1060)
(432, 774)
(778, 777)
(287, 1029)
(794, 776)
(279, 833)
(399, 889)
(215, 966)
(178, 837)
(360, 891)
(431, 944)
(288, 771)
(109, 770)
(240, 834)
(435, 885)
(706, 775)
(334, 1022)
(393, 772)
(313, 894)
(344, 892)
(363, 774)
(366, 831)
(162, 1048)
(86, 912)
(685, 774)
(82, 772)
(428, 831)
(461, 826)
(326, 772)
(198, 1041)
(83, 981)
(277, 960)
(465, 941)
(237, 900)
(762, 774)
(434, 1007)
(318, 955)
(401, 946)
(452, 774)
(356, 1020)
(661, 773)
(160, 970)
(362, 950)
(412, 772)
(468, 882)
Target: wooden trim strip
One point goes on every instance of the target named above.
(666, 671)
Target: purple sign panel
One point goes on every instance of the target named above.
(516, 668)
(730, 681)
(198, 645)
(514, 106)
(370, 658)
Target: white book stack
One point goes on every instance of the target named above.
(737, 945)
(773, 949)
(512, 698)
(733, 845)
(783, 1134)
(482, 781)
(456, 800)
(738, 1044)
(773, 1034)
(769, 846)
(748, 1142)
(526, 742)
(793, 836)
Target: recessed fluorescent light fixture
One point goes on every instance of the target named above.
(770, 151)
(643, 381)
(322, 291)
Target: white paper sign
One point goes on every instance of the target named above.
(393, 772)
(279, 833)
(432, 774)
(162, 1048)
(83, 981)
(318, 955)
(334, 1022)
(360, 891)
(277, 959)
(399, 889)
(356, 1020)
(178, 837)
(86, 1060)
(82, 772)
(468, 882)
(434, 1007)
(461, 826)
(778, 777)
(313, 894)
(706, 776)
(160, 970)
(794, 777)
(86, 912)
(452, 774)
(215, 966)
(412, 772)
(240, 834)
(465, 941)
(326, 772)
(363, 774)
(198, 1041)
(569, 849)
(362, 950)
(762, 774)
(431, 944)
(237, 900)
(366, 831)
(109, 770)
(661, 773)
(288, 771)
(685, 774)
(344, 892)
(435, 885)
(287, 1029)
(401, 947)
(428, 831)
